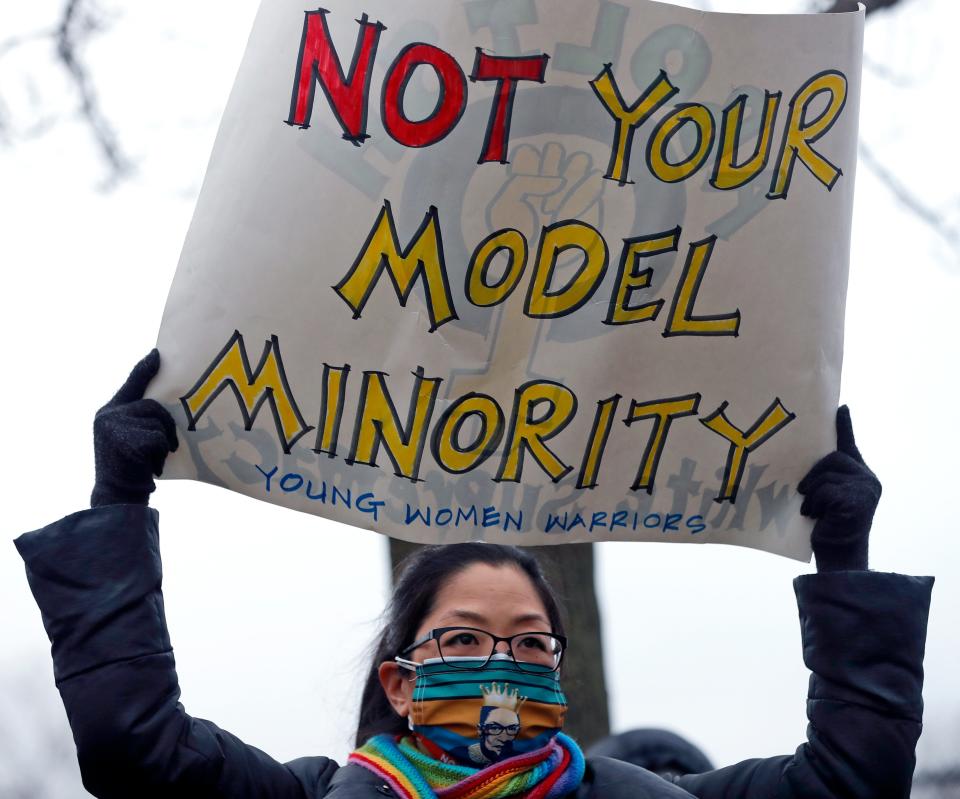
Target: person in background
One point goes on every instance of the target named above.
(467, 624)
(663, 752)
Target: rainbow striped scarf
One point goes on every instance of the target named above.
(551, 772)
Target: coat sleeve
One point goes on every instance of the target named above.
(863, 640)
(96, 577)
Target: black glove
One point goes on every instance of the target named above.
(131, 439)
(841, 493)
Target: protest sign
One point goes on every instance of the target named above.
(522, 271)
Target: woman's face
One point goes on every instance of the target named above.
(498, 599)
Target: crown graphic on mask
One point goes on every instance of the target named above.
(495, 695)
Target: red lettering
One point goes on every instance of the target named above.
(319, 63)
(450, 104)
(506, 71)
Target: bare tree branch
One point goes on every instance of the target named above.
(884, 72)
(851, 5)
(79, 20)
(7, 46)
(13, 42)
(932, 217)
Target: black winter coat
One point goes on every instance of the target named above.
(96, 577)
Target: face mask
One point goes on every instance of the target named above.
(481, 716)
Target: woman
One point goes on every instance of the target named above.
(463, 696)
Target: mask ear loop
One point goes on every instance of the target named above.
(557, 690)
(409, 665)
(417, 679)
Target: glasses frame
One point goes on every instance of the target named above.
(437, 632)
(488, 729)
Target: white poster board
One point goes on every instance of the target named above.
(522, 271)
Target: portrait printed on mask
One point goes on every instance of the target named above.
(484, 714)
(499, 723)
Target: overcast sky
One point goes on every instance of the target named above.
(270, 611)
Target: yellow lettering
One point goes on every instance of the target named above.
(727, 173)
(664, 411)
(800, 134)
(446, 435)
(628, 119)
(702, 120)
(479, 291)
(527, 432)
(377, 421)
(602, 424)
(331, 404)
(682, 322)
(630, 280)
(423, 257)
(252, 388)
(773, 419)
(543, 302)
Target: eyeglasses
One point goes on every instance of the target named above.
(499, 729)
(532, 651)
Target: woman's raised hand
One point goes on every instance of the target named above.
(131, 439)
(841, 493)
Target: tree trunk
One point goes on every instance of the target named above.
(570, 569)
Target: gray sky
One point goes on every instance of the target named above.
(270, 611)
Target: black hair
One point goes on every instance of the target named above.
(419, 579)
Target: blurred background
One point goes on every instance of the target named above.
(107, 115)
